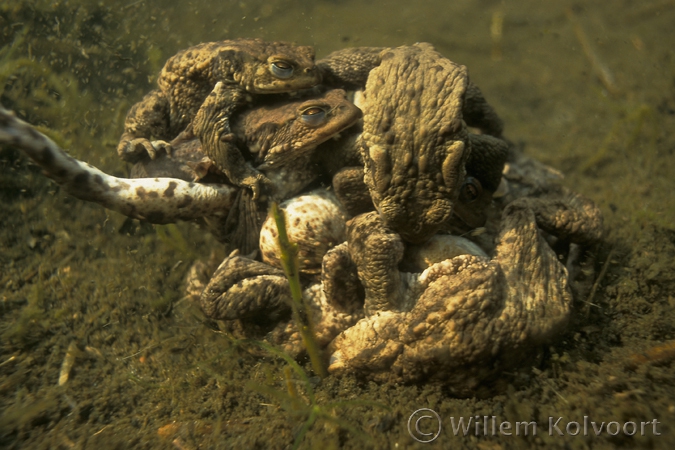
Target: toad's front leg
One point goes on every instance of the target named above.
(212, 125)
(377, 252)
(147, 119)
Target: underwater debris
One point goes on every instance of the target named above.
(659, 354)
(601, 70)
(68, 362)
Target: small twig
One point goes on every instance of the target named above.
(148, 347)
(68, 362)
(596, 284)
(496, 33)
(600, 69)
(7, 361)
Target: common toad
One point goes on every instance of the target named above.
(415, 144)
(242, 66)
(465, 320)
(281, 137)
(416, 151)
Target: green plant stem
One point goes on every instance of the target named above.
(290, 264)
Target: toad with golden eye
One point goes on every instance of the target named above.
(244, 67)
(280, 138)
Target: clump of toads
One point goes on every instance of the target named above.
(429, 248)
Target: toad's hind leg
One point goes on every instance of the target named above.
(538, 283)
(478, 113)
(242, 288)
(568, 216)
(212, 125)
(340, 280)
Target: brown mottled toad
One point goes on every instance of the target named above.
(466, 319)
(415, 144)
(241, 66)
(281, 137)
(416, 149)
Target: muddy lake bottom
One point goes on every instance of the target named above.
(586, 88)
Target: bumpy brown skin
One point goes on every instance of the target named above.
(483, 177)
(187, 79)
(351, 67)
(187, 162)
(281, 136)
(258, 294)
(414, 142)
(376, 251)
(242, 288)
(348, 68)
(474, 317)
(285, 134)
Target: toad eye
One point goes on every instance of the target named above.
(313, 116)
(471, 189)
(281, 69)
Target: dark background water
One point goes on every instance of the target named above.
(586, 87)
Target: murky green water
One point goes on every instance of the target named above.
(587, 87)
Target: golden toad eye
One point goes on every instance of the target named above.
(313, 116)
(471, 189)
(281, 69)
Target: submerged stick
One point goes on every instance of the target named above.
(291, 266)
(600, 69)
(157, 200)
(496, 33)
